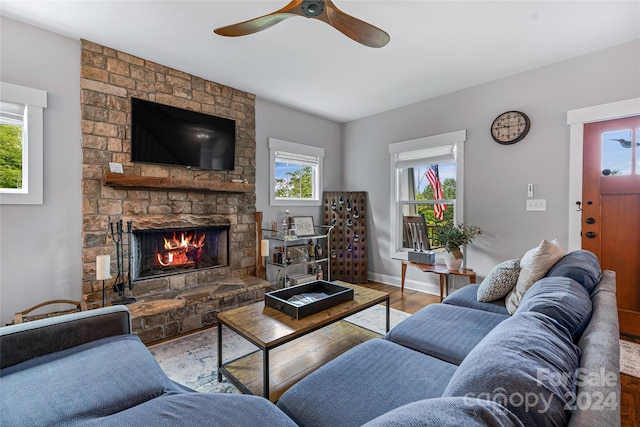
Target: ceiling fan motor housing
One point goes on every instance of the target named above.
(312, 8)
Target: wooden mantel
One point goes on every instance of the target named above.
(119, 180)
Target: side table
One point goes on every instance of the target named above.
(439, 269)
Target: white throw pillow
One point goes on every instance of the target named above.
(533, 266)
(500, 280)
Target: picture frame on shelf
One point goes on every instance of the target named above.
(303, 226)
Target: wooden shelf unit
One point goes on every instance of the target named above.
(119, 180)
(347, 212)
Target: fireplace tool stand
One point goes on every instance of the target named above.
(119, 286)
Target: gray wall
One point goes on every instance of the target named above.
(40, 244)
(496, 176)
(276, 121)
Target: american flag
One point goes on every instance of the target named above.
(434, 180)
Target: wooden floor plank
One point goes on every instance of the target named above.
(630, 401)
(408, 301)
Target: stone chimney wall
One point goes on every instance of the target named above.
(109, 78)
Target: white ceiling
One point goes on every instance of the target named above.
(436, 47)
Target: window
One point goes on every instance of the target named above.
(426, 180)
(13, 147)
(21, 144)
(295, 173)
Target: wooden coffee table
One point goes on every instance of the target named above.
(304, 345)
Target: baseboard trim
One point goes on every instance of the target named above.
(414, 285)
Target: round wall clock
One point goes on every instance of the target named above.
(510, 127)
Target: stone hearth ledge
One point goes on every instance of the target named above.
(168, 314)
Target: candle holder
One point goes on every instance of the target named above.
(103, 270)
(264, 252)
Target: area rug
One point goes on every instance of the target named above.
(192, 360)
(630, 358)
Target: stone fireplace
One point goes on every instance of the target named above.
(210, 265)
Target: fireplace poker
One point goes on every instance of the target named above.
(129, 257)
(119, 285)
(116, 236)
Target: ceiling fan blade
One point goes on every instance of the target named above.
(262, 22)
(323, 10)
(252, 25)
(354, 28)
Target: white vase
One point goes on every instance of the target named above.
(453, 259)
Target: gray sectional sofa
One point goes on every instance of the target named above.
(554, 362)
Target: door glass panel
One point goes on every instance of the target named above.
(616, 152)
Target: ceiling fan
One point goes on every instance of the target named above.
(323, 10)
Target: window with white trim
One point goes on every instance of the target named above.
(295, 173)
(21, 144)
(13, 147)
(426, 180)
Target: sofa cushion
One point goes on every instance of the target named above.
(448, 412)
(563, 299)
(581, 266)
(96, 379)
(196, 409)
(527, 364)
(468, 297)
(500, 280)
(445, 331)
(533, 266)
(363, 383)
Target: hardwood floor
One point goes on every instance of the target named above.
(411, 301)
(630, 396)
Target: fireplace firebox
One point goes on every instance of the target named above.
(161, 252)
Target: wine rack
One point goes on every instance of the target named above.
(346, 211)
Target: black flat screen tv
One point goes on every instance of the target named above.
(175, 136)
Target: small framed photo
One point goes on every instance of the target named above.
(303, 225)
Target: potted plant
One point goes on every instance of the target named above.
(452, 236)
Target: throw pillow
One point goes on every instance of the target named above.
(533, 266)
(500, 280)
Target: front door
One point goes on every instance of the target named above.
(611, 209)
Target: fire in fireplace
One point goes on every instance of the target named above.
(181, 252)
(170, 251)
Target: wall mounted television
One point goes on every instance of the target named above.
(175, 136)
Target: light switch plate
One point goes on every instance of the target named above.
(529, 190)
(537, 204)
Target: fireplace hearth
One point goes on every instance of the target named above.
(162, 252)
